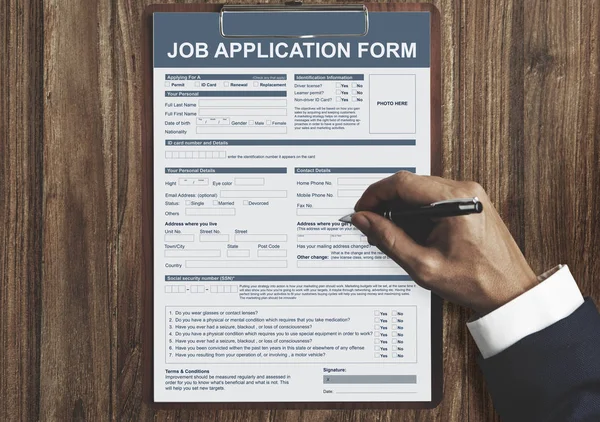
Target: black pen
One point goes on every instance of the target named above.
(448, 208)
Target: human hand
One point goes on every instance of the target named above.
(471, 260)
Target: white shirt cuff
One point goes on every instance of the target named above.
(555, 298)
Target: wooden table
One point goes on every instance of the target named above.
(521, 115)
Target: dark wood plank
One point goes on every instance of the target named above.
(21, 123)
(489, 148)
(79, 235)
(562, 130)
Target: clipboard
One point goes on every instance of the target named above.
(148, 183)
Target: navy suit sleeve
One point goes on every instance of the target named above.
(552, 375)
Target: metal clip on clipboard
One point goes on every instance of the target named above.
(230, 13)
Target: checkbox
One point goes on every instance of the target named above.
(268, 122)
(354, 99)
(215, 202)
(338, 85)
(225, 83)
(376, 355)
(376, 313)
(394, 312)
(376, 319)
(338, 92)
(339, 99)
(245, 202)
(377, 348)
(395, 355)
(167, 84)
(354, 84)
(377, 327)
(395, 348)
(394, 341)
(394, 319)
(394, 327)
(197, 84)
(377, 341)
(250, 122)
(354, 92)
(255, 83)
(376, 334)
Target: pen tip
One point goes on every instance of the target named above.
(346, 218)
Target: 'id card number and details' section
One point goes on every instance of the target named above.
(260, 293)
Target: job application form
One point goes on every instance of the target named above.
(260, 145)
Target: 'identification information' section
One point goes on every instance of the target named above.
(260, 294)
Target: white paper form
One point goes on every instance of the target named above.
(260, 294)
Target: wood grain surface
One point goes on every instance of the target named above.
(521, 115)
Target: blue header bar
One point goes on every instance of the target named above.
(395, 39)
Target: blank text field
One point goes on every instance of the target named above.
(236, 264)
(348, 238)
(210, 211)
(314, 238)
(193, 253)
(323, 212)
(209, 111)
(249, 181)
(238, 253)
(214, 238)
(357, 181)
(261, 237)
(241, 102)
(258, 194)
(272, 253)
(348, 264)
(243, 130)
(179, 237)
(350, 193)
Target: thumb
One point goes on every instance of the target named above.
(391, 240)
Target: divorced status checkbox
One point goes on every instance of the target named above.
(245, 202)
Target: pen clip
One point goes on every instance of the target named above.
(457, 201)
